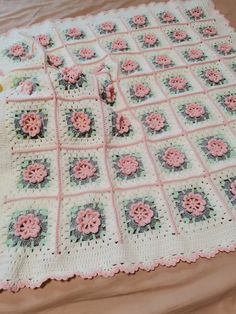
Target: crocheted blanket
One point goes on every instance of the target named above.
(117, 142)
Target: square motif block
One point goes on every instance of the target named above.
(88, 220)
(211, 29)
(196, 205)
(213, 75)
(158, 121)
(196, 111)
(107, 24)
(197, 53)
(196, 12)
(224, 47)
(122, 43)
(74, 30)
(143, 213)
(175, 159)
(59, 59)
(84, 170)
(141, 90)
(25, 85)
(138, 18)
(225, 99)
(80, 123)
(150, 39)
(178, 82)
(31, 124)
(216, 147)
(131, 166)
(34, 174)
(28, 227)
(163, 59)
(231, 63)
(166, 14)
(85, 53)
(181, 35)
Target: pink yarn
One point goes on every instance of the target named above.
(17, 50)
(141, 213)
(107, 26)
(233, 188)
(140, 90)
(88, 221)
(209, 31)
(196, 13)
(128, 165)
(225, 48)
(35, 173)
(180, 35)
(71, 74)
(217, 147)
(122, 124)
(119, 44)
(84, 169)
(150, 39)
(129, 65)
(230, 102)
(26, 87)
(27, 226)
(80, 121)
(194, 110)
(163, 60)
(73, 32)
(167, 17)
(110, 93)
(194, 204)
(155, 121)
(139, 20)
(86, 53)
(44, 40)
(55, 60)
(214, 76)
(177, 82)
(195, 54)
(31, 123)
(173, 157)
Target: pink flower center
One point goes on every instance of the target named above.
(129, 65)
(195, 54)
(35, 173)
(84, 169)
(194, 204)
(196, 12)
(128, 165)
(167, 17)
(119, 44)
(88, 221)
(177, 82)
(217, 147)
(155, 121)
(173, 157)
(194, 110)
(230, 102)
(214, 76)
(150, 39)
(81, 121)
(26, 87)
(139, 20)
(107, 26)
(225, 48)
(141, 213)
(74, 32)
(141, 90)
(233, 188)
(71, 74)
(122, 124)
(17, 50)
(86, 53)
(180, 35)
(209, 31)
(27, 226)
(44, 40)
(110, 93)
(31, 124)
(55, 60)
(162, 60)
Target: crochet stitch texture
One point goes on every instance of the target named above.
(117, 136)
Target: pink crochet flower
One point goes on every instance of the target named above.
(140, 90)
(86, 53)
(110, 93)
(194, 110)
(129, 65)
(195, 54)
(217, 147)
(71, 74)
(107, 26)
(122, 124)
(196, 13)
(141, 213)
(31, 123)
(163, 60)
(17, 50)
(179, 35)
(230, 102)
(74, 32)
(35, 173)
(88, 221)
(27, 226)
(150, 39)
(81, 121)
(225, 48)
(119, 44)
(55, 60)
(209, 31)
(44, 40)
(214, 76)
(139, 20)
(155, 121)
(177, 82)
(128, 165)
(26, 87)
(173, 157)
(84, 169)
(233, 188)
(167, 17)
(194, 204)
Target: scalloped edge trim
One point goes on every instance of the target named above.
(119, 269)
